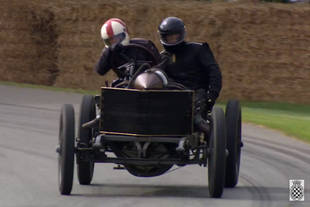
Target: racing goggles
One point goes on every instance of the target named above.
(115, 40)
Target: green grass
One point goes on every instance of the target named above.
(292, 119)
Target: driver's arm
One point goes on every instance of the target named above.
(104, 63)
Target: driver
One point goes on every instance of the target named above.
(115, 35)
(192, 64)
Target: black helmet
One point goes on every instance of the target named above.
(172, 31)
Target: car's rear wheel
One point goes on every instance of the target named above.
(66, 150)
(217, 153)
(85, 169)
(233, 122)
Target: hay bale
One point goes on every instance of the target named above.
(27, 43)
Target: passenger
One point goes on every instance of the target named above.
(192, 64)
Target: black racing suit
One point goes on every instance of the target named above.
(194, 66)
(113, 59)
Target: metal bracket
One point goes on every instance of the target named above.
(145, 146)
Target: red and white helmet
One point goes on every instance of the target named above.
(113, 32)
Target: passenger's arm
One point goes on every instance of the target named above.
(212, 73)
(104, 65)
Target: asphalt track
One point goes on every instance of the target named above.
(28, 165)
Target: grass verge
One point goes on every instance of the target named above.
(292, 119)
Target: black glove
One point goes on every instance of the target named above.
(165, 54)
(165, 59)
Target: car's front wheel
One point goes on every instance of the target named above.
(85, 169)
(217, 153)
(66, 150)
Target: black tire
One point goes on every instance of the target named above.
(233, 122)
(66, 150)
(217, 156)
(85, 169)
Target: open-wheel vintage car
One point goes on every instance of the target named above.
(145, 125)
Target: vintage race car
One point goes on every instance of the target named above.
(145, 125)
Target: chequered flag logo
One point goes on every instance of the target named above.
(297, 190)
